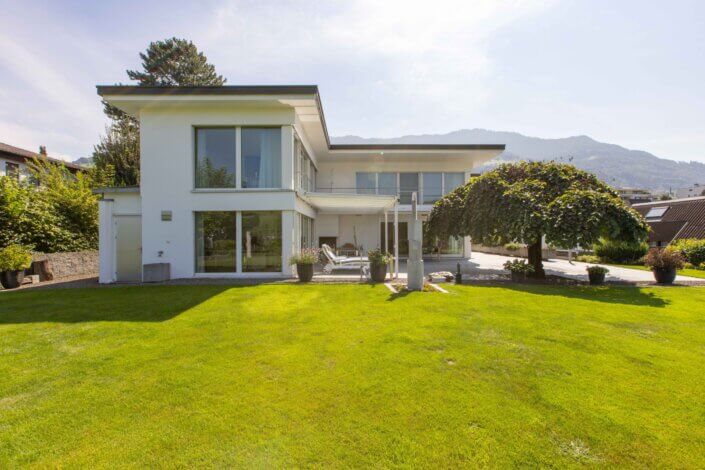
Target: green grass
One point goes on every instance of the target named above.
(352, 376)
(699, 273)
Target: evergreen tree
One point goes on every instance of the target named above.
(172, 62)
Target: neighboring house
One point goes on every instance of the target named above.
(673, 220)
(13, 161)
(692, 191)
(634, 196)
(235, 179)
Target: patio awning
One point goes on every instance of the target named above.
(338, 203)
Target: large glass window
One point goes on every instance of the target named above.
(215, 242)
(432, 187)
(365, 183)
(261, 241)
(453, 181)
(215, 158)
(306, 231)
(408, 183)
(261, 158)
(304, 168)
(387, 183)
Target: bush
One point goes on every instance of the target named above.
(664, 259)
(519, 266)
(513, 246)
(59, 213)
(15, 258)
(597, 270)
(306, 256)
(587, 258)
(612, 251)
(378, 256)
(693, 250)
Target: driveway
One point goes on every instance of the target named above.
(489, 263)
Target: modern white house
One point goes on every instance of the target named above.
(236, 179)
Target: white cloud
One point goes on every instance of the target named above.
(418, 54)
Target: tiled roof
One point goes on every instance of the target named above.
(28, 155)
(685, 218)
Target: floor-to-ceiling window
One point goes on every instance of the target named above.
(452, 181)
(261, 158)
(365, 183)
(215, 157)
(261, 241)
(215, 242)
(432, 187)
(403, 237)
(408, 184)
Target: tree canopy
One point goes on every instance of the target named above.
(527, 201)
(171, 62)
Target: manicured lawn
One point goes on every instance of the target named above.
(699, 273)
(351, 376)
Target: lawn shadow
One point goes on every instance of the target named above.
(627, 295)
(119, 303)
(398, 295)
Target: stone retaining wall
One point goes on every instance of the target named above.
(78, 263)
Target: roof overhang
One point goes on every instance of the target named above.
(306, 102)
(350, 203)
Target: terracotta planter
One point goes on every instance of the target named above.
(664, 275)
(11, 279)
(518, 277)
(305, 272)
(378, 272)
(596, 279)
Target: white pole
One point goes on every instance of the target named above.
(386, 233)
(396, 241)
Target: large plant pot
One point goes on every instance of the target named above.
(378, 272)
(11, 279)
(596, 279)
(665, 276)
(518, 277)
(305, 272)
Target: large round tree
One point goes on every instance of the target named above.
(527, 201)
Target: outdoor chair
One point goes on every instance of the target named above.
(343, 262)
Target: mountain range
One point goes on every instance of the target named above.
(617, 166)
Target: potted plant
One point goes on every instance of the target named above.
(663, 264)
(14, 259)
(596, 274)
(378, 264)
(519, 269)
(304, 261)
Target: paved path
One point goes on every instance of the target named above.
(481, 262)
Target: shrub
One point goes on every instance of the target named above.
(306, 256)
(693, 250)
(663, 259)
(597, 270)
(513, 246)
(519, 266)
(15, 258)
(587, 258)
(613, 251)
(58, 214)
(378, 256)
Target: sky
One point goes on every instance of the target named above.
(626, 72)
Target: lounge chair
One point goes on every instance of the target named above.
(342, 262)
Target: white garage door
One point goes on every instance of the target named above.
(128, 248)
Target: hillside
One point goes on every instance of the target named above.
(616, 165)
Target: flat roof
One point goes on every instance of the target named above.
(278, 90)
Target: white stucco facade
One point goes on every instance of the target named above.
(168, 199)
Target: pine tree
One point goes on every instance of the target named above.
(172, 62)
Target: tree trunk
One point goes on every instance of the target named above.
(535, 260)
